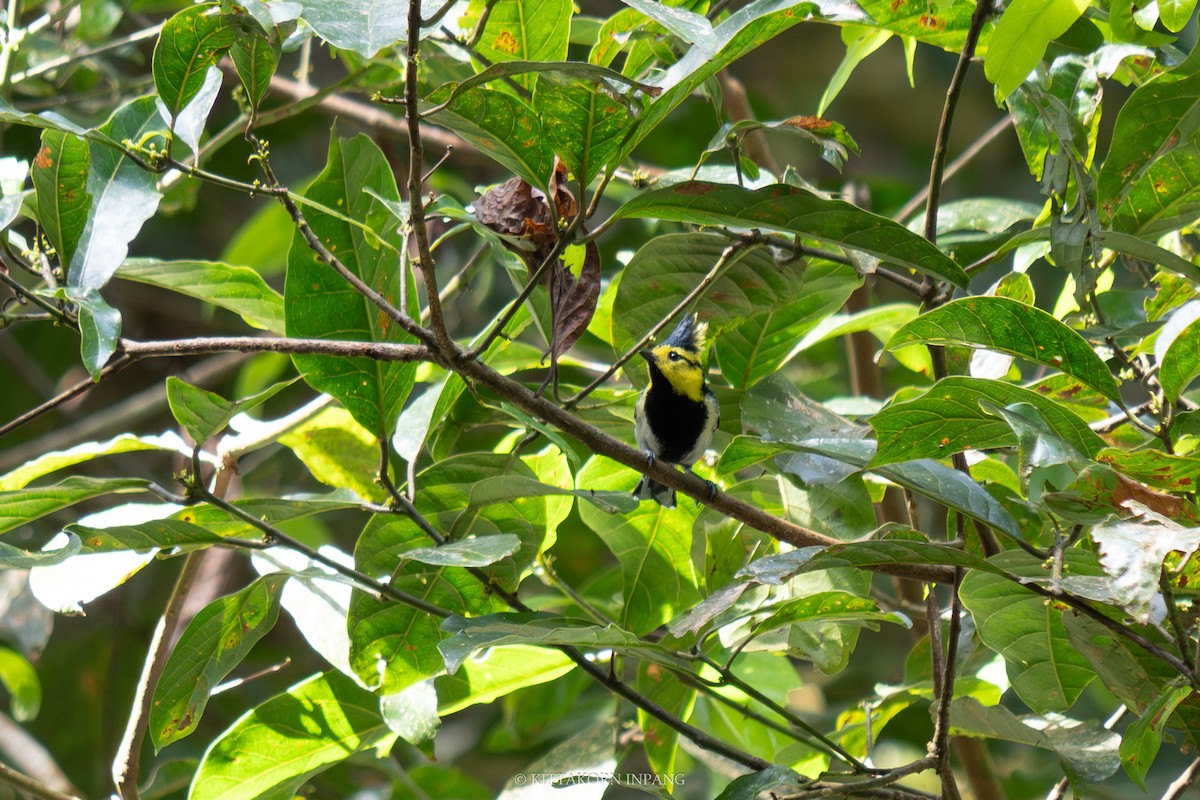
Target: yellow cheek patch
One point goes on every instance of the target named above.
(683, 372)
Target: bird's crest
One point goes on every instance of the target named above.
(688, 335)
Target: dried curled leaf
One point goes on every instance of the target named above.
(517, 210)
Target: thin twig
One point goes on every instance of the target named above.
(129, 752)
(377, 351)
(113, 367)
(952, 169)
(953, 92)
(825, 789)
(941, 728)
(1183, 782)
(23, 783)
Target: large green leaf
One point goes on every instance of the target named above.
(944, 25)
(23, 506)
(582, 121)
(949, 419)
(998, 323)
(1021, 36)
(764, 342)
(238, 289)
(148, 536)
(501, 125)
(526, 30)
(738, 34)
(319, 304)
(1088, 752)
(796, 211)
(214, 643)
(364, 26)
(502, 671)
(273, 749)
(1045, 668)
(653, 546)
(60, 175)
(123, 196)
(749, 287)
(190, 42)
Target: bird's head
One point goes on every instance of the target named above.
(677, 359)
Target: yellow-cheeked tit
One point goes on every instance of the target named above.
(677, 413)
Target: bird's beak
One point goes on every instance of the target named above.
(648, 355)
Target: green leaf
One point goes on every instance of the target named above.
(582, 122)
(738, 34)
(204, 414)
(1181, 364)
(338, 452)
(653, 546)
(478, 552)
(1175, 15)
(123, 196)
(21, 680)
(750, 285)
(1144, 735)
(949, 419)
(60, 175)
(364, 26)
(1149, 183)
(319, 304)
(20, 558)
(23, 506)
(273, 749)
(1046, 670)
(829, 607)
(99, 328)
(501, 672)
(501, 125)
(752, 785)
(151, 535)
(526, 30)
(1021, 36)
(255, 59)
(1088, 752)
(664, 689)
(190, 42)
(528, 628)
(216, 640)
(799, 212)
(766, 341)
(997, 323)
(943, 26)
(238, 289)
(860, 41)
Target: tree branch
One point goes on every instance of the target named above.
(26, 784)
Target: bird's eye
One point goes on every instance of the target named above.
(673, 356)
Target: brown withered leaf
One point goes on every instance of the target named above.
(516, 209)
(573, 300)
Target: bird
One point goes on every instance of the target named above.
(676, 414)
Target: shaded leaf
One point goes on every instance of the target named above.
(493, 630)
(23, 506)
(188, 44)
(1132, 553)
(582, 122)
(1088, 752)
(799, 212)
(204, 414)
(238, 289)
(1181, 365)
(255, 59)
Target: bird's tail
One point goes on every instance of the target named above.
(648, 488)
